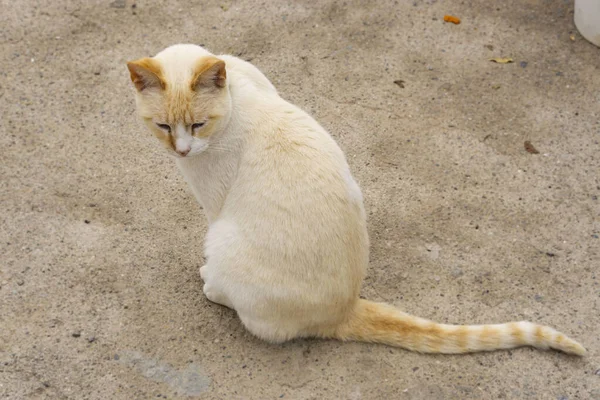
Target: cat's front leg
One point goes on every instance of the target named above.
(216, 296)
(211, 290)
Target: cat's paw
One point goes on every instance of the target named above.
(216, 296)
(203, 272)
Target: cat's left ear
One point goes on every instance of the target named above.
(146, 73)
(209, 72)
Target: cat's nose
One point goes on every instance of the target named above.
(183, 152)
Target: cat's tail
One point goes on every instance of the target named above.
(382, 323)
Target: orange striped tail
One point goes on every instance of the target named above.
(382, 323)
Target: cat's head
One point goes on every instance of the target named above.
(182, 96)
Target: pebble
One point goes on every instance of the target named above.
(20, 282)
(91, 339)
(597, 372)
(118, 4)
(523, 64)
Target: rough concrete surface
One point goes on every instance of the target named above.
(101, 240)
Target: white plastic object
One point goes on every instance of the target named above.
(587, 19)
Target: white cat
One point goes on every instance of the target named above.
(287, 245)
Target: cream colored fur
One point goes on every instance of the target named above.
(287, 243)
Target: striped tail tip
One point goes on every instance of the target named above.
(544, 337)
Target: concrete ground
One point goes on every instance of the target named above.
(101, 240)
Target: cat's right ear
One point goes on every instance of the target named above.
(209, 72)
(146, 73)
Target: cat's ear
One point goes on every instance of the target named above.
(146, 73)
(209, 72)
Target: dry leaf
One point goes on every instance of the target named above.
(501, 60)
(495, 87)
(450, 18)
(529, 148)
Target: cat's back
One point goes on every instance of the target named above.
(294, 173)
(290, 161)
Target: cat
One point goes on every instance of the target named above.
(287, 244)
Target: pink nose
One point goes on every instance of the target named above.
(183, 152)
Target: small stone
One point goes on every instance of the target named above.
(91, 339)
(538, 297)
(76, 334)
(523, 64)
(20, 282)
(87, 221)
(116, 357)
(562, 398)
(456, 272)
(118, 4)
(597, 372)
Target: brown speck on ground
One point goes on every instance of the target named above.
(71, 140)
(530, 148)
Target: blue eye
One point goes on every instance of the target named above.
(164, 127)
(198, 125)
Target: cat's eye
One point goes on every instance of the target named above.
(164, 127)
(197, 125)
